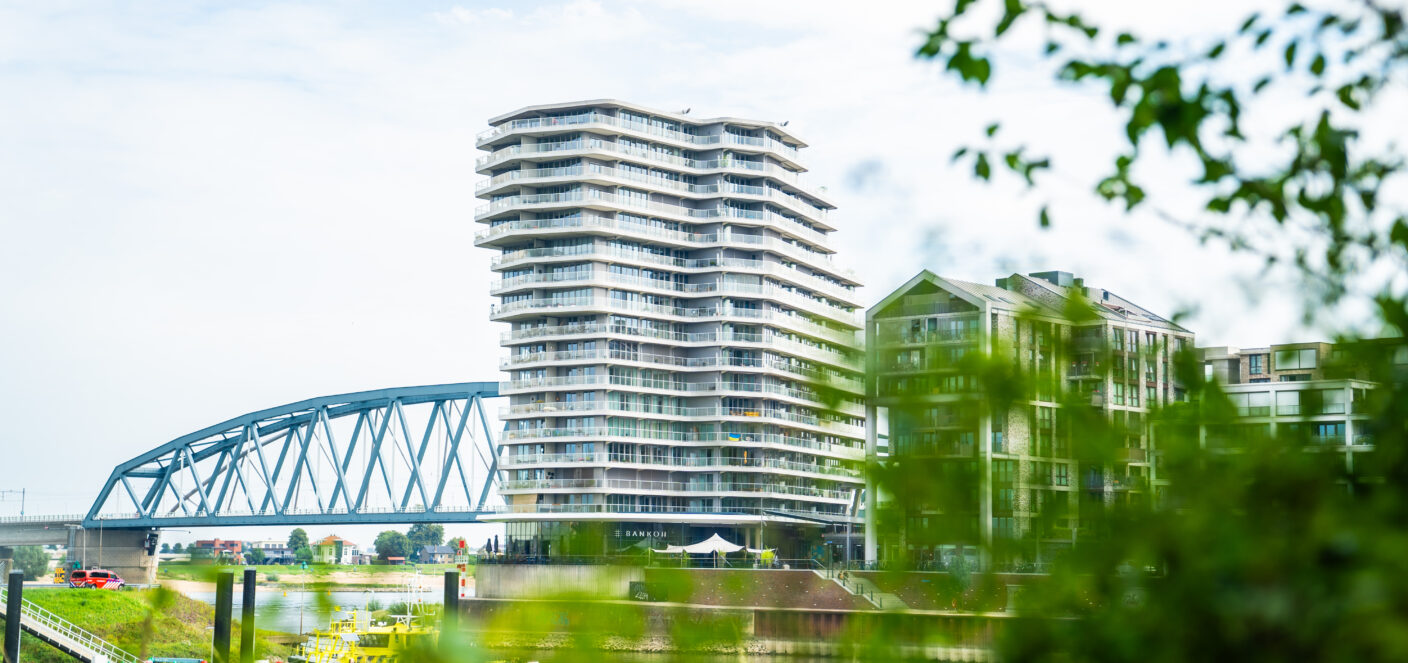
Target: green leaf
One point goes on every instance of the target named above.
(1248, 24)
(1012, 10)
(1261, 84)
(1262, 36)
(1052, 47)
(992, 129)
(1346, 96)
(981, 167)
(1317, 66)
(1291, 54)
(1217, 50)
(1124, 38)
(958, 154)
(1295, 8)
(1044, 219)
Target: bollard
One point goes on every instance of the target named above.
(247, 618)
(12, 617)
(224, 596)
(450, 615)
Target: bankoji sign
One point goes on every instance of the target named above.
(639, 533)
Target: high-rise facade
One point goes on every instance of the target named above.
(999, 463)
(681, 351)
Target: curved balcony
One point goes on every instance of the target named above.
(776, 441)
(528, 308)
(683, 464)
(711, 363)
(608, 149)
(721, 489)
(607, 408)
(607, 175)
(684, 339)
(605, 200)
(610, 227)
(834, 512)
(592, 120)
(599, 252)
(816, 306)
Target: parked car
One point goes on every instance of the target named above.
(95, 579)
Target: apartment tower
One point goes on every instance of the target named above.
(681, 351)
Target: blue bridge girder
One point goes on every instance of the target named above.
(426, 454)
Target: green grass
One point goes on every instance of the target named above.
(175, 627)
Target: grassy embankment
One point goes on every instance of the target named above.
(144, 622)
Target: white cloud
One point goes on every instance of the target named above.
(210, 210)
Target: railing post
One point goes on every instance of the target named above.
(12, 616)
(450, 615)
(224, 595)
(247, 618)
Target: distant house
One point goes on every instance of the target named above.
(396, 561)
(435, 555)
(334, 550)
(275, 552)
(221, 549)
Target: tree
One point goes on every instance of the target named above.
(254, 556)
(177, 547)
(1310, 174)
(1272, 552)
(165, 547)
(32, 560)
(421, 535)
(455, 542)
(391, 543)
(304, 555)
(297, 539)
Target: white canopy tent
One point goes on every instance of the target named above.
(713, 544)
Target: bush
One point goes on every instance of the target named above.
(271, 577)
(373, 605)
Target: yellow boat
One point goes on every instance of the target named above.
(356, 639)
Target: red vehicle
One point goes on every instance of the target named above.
(95, 579)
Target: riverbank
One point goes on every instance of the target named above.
(188, 579)
(142, 622)
(331, 582)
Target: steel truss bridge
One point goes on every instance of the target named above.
(403, 455)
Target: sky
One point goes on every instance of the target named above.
(208, 209)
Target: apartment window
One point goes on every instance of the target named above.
(999, 423)
(1298, 377)
(1060, 474)
(1295, 359)
(1003, 471)
(1004, 528)
(1288, 402)
(1332, 401)
(1329, 433)
(1118, 393)
(1257, 404)
(1151, 396)
(1134, 395)
(1256, 364)
(1004, 499)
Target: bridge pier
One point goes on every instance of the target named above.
(123, 551)
(117, 549)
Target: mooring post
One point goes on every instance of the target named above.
(450, 616)
(247, 618)
(12, 617)
(224, 596)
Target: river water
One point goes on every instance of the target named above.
(295, 611)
